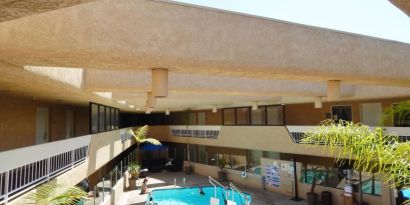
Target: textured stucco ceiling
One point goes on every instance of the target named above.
(404, 5)
(213, 57)
(13, 9)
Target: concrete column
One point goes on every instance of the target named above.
(333, 90)
(151, 100)
(159, 82)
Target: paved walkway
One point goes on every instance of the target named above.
(166, 180)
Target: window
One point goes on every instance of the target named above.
(258, 117)
(103, 118)
(116, 119)
(342, 112)
(192, 118)
(112, 118)
(107, 118)
(265, 115)
(201, 118)
(242, 116)
(229, 116)
(275, 115)
(402, 120)
(94, 118)
(202, 154)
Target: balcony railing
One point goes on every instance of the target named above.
(24, 168)
(195, 131)
(298, 132)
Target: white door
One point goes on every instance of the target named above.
(370, 113)
(201, 118)
(42, 123)
(69, 123)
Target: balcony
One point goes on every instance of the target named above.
(297, 132)
(211, 132)
(69, 161)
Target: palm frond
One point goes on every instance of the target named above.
(399, 111)
(141, 133)
(369, 150)
(151, 141)
(55, 194)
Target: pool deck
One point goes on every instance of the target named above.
(166, 180)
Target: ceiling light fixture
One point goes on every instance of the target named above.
(214, 109)
(318, 102)
(255, 106)
(121, 102)
(148, 110)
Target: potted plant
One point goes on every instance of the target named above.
(315, 176)
(222, 175)
(134, 171)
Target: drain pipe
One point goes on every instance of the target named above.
(295, 181)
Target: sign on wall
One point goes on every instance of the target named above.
(272, 175)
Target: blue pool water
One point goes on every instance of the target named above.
(191, 196)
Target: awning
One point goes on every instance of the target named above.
(152, 147)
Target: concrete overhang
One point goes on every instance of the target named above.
(136, 35)
(13, 9)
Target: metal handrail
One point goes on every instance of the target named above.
(234, 188)
(215, 184)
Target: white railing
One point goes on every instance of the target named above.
(297, 132)
(24, 168)
(217, 184)
(235, 189)
(200, 131)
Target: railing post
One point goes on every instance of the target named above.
(121, 170)
(48, 169)
(72, 158)
(6, 187)
(116, 174)
(103, 188)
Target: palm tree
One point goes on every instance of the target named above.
(368, 150)
(399, 112)
(140, 136)
(55, 194)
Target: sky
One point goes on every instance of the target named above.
(377, 18)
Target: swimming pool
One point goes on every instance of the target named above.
(191, 196)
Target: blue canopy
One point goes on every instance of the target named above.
(151, 147)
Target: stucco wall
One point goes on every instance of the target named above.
(306, 114)
(18, 121)
(265, 138)
(252, 180)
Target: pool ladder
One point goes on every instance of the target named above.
(232, 187)
(236, 189)
(217, 184)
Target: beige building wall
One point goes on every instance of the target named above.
(18, 121)
(264, 138)
(306, 114)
